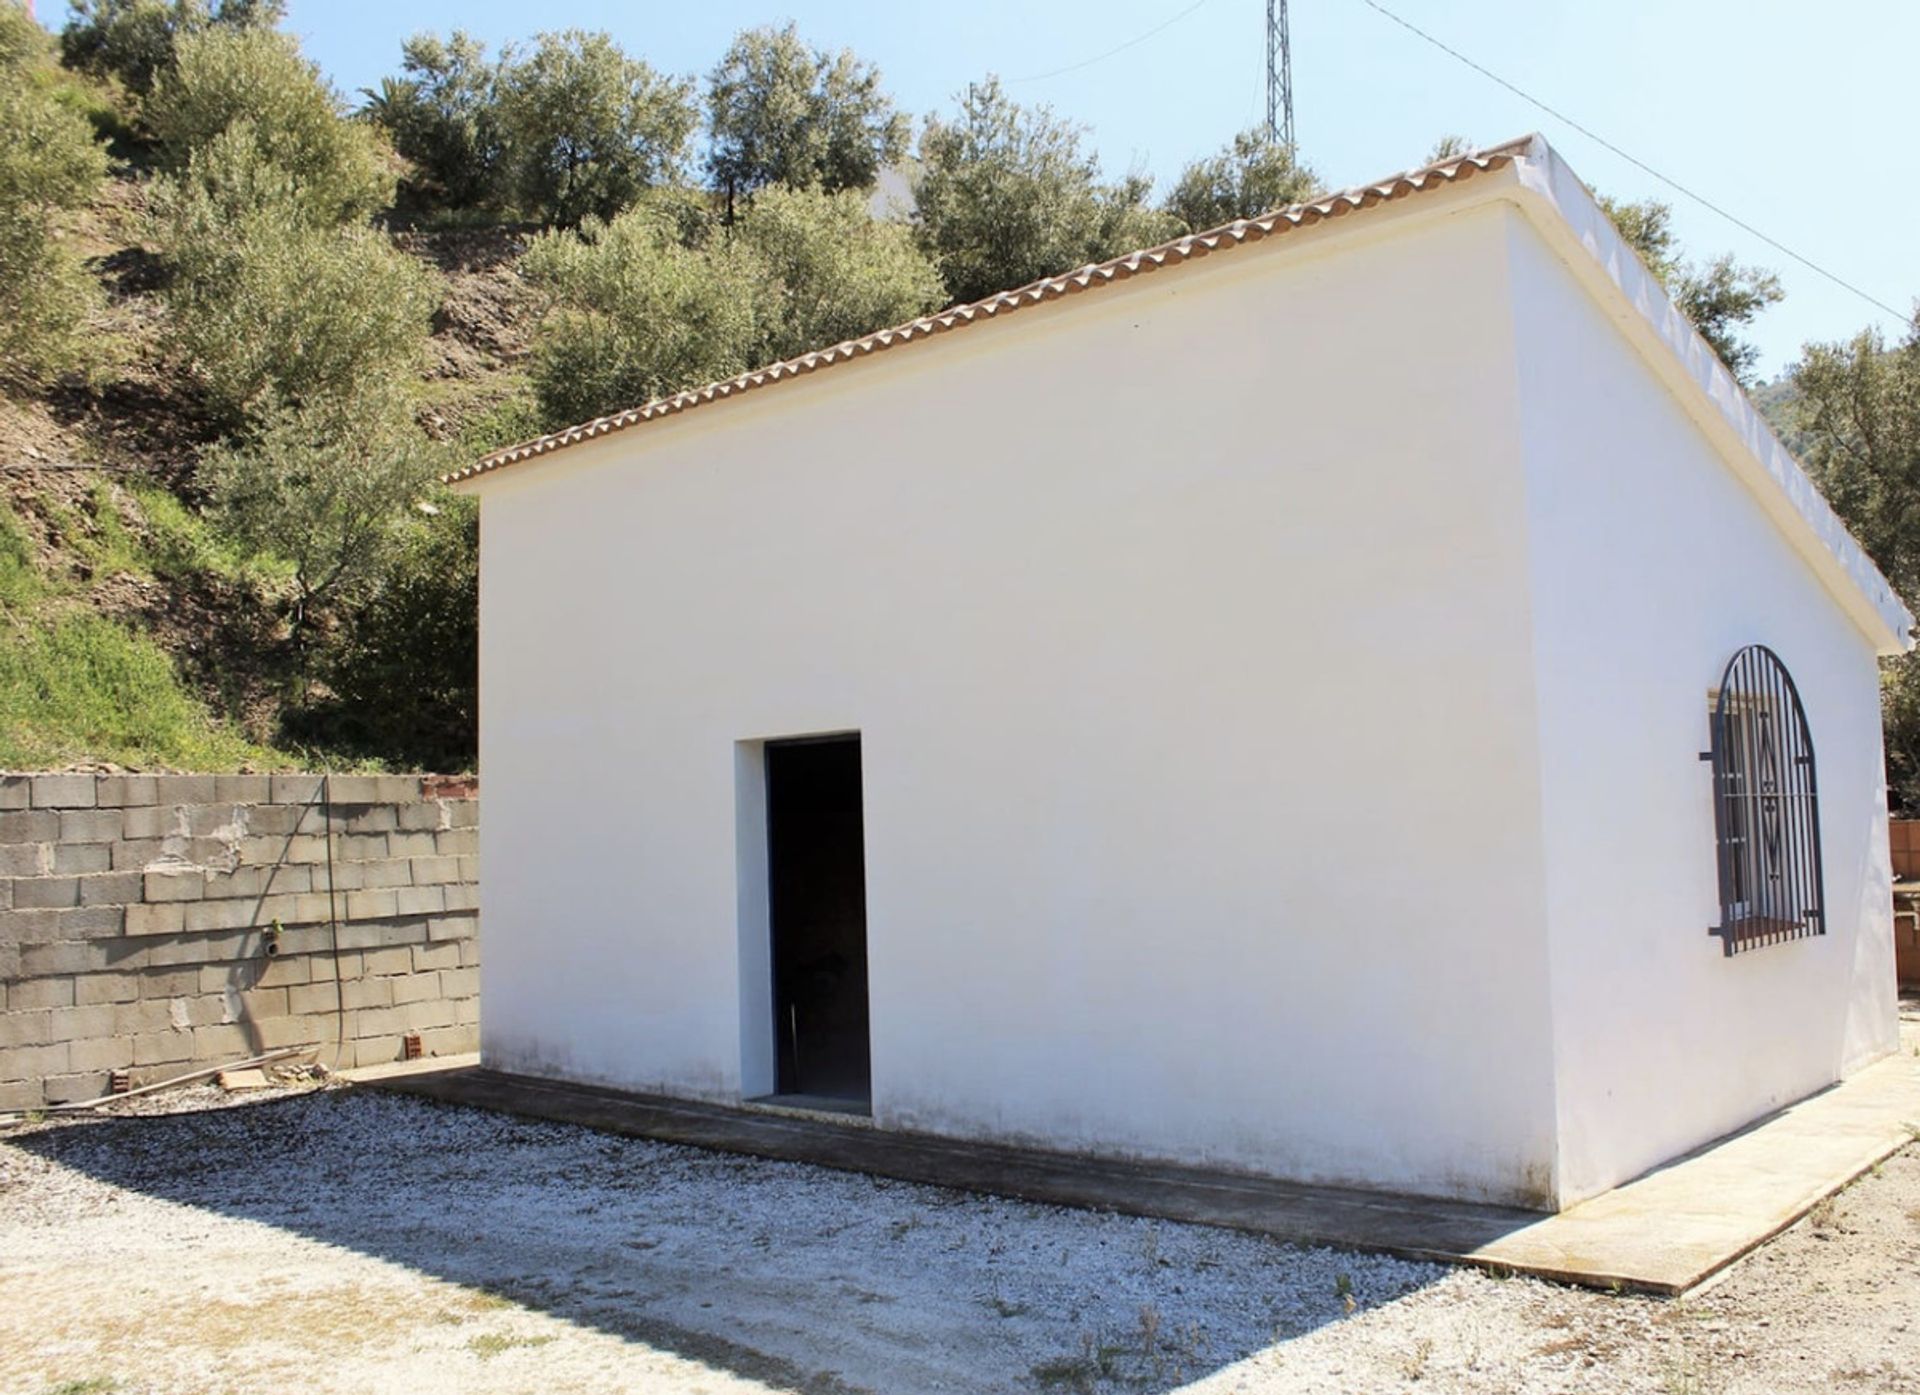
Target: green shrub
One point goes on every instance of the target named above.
(661, 299)
(81, 687)
(443, 117)
(269, 309)
(510, 419)
(253, 84)
(636, 312)
(587, 128)
(782, 112)
(134, 40)
(23, 43)
(50, 165)
(328, 488)
(834, 272)
(1254, 174)
(1006, 195)
(405, 674)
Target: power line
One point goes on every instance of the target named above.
(1134, 42)
(1640, 164)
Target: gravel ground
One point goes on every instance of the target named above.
(344, 1240)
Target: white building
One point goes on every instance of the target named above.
(1267, 701)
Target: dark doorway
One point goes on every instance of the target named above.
(817, 893)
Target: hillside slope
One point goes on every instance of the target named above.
(134, 634)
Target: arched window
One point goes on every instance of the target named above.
(1766, 809)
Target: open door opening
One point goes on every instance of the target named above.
(817, 913)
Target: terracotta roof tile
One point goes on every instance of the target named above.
(1086, 278)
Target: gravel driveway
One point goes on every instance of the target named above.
(345, 1240)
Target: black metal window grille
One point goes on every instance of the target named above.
(1766, 806)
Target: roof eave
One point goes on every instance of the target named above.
(1566, 213)
(1242, 232)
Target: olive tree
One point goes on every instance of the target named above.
(254, 81)
(1250, 176)
(326, 487)
(588, 128)
(831, 271)
(637, 309)
(135, 40)
(1856, 406)
(1720, 296)
(271, 309)
(1006, 195)
(782, 112)
(50, 166)
(443, 116)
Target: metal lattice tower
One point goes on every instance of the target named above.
(1279, 75)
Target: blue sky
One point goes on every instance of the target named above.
(1788, 114)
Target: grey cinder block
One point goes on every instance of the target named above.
(168, 1048)
(91, 825)
(415, 988)
(354, 789)
(26, 859)
(26, 994)
(459, 983)
(295, 789)
(28, 1027)
(372, 904)
(396, 789)
(63, 957)
(434, 871)
(205, 916)
(421, 818)
(391, 959)
(78, 1023)
(45, 893)
(63, 792)
(157, 918)
(242, 789)
(76, 859)
(29, 826)
(110, 889)
(455, 925)
(411, 844)
(420, 900)
(436, 956)
(389, 872)
(109, 988)
(184, 789)
(366, 818)
(153, 822)
(120, 791)
(101, 1054)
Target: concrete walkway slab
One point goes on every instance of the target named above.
(1665, 1233)
(420, 1065)
(1680, 1224)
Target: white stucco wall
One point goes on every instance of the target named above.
(1652, 564)
(1186, 631)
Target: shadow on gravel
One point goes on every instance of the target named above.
(800, 1277)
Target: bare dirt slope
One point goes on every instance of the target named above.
(348, 1241)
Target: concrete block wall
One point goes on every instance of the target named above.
(137, 913)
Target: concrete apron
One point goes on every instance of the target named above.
(1674, 1228)
(1666, 1232)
